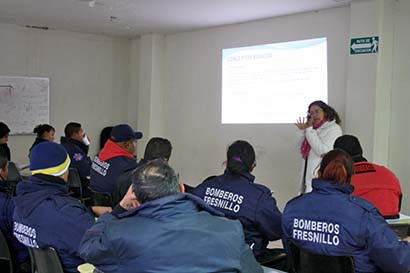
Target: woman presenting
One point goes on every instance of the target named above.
(320, 130)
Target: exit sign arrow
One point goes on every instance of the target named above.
(365, 45)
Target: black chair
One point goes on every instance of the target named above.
(102, 199)
(6, 263)
(402, 230)
(303, 261)
(45, 260)
(14, 173)
(74, 183)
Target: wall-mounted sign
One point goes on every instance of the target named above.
(364, 45)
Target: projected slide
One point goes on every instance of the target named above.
(273, 83)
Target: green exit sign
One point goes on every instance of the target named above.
(364, 45)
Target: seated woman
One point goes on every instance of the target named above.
(18, 251)
(236, 195)
(44, 132)
(330, 221)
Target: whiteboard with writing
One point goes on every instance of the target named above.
(24, 103)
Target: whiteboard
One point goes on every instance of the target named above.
(24, 103)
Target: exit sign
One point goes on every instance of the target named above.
(365, 45)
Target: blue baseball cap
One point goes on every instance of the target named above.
(124, 132)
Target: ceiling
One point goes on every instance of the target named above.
(130, 18)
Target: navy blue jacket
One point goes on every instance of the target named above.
(45, 216)
(331, 221)
(238, 197)
(177, 233)
(107, 167)
(5, 151)
(18, 251)
(78, 153)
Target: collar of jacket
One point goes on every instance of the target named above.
(76, 142)
(326, 186)
(37, 189)
(247, 176)
(171, 205)
(111, 150)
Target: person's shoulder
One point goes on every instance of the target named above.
(295, 201)
(68, 205)
(362, 203)
(262, 188)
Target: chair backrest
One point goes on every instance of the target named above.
(401, 229)
(74, 184)
(5, 256)
(14, 173)
(103, 199)
(45, 260)
(303, 261)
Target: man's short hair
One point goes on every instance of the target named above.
(158, 147)
(154, 180)
(72, 128)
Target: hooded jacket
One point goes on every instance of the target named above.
(45, 216)
(78, 153)
(106, 167)
(331, 221)
(238, 197)
(176, 233)
(18, 251)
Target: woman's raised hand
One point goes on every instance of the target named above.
(302, 123)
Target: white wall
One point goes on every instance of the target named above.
(192, 101)
(399, 145)
(89, 77)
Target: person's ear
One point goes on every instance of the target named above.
(64, 176)
(181, 188)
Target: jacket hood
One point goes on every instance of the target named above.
(32, 192)
(326, 186)
(111, 150)
(171, 205)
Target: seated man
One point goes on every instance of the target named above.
(45, 215)
(77, 145)
(157, 147)
(114, 159)
(165, 231)
(19, 253)
(375, 183)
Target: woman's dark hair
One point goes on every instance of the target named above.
(4, 129)
(240, 157)
(42, 128)
(330, 113)
(105, 135)
(337, 166)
